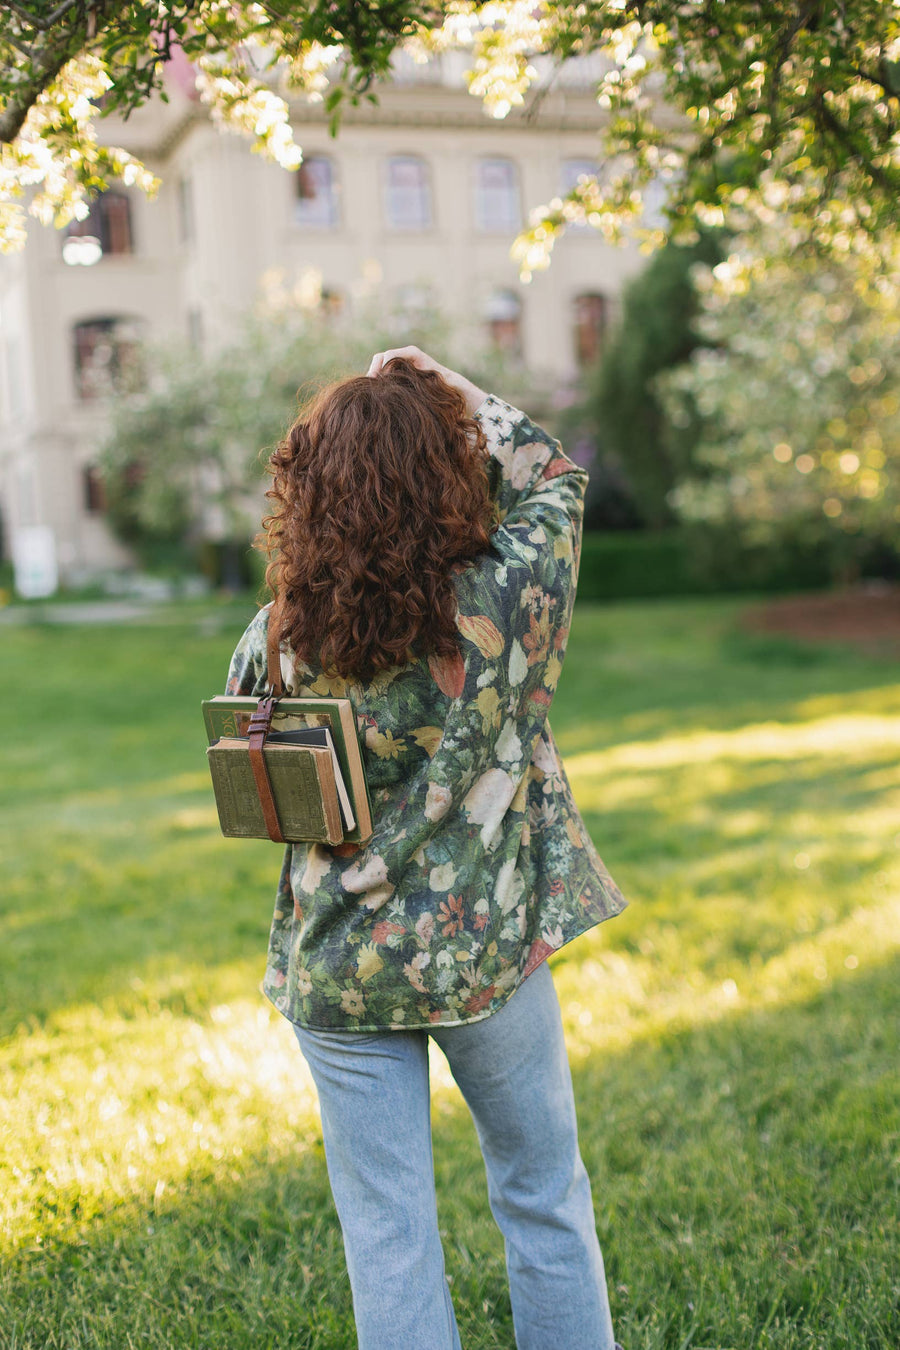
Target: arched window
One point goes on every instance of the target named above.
(407, 193)
(497, 207)
(93, 486)
(591, 313)
(107, 225)
(106, 353)
(503, 316)
(316, 203)
(571, 171)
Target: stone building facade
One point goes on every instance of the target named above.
(421, 194)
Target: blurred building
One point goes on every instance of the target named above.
(421, 195)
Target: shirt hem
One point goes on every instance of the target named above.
(620, 904)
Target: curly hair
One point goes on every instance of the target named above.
(381, 494)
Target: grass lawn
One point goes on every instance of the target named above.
(733, 1034)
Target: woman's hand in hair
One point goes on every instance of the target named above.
(471, 393)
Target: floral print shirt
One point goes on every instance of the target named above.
(480, 865)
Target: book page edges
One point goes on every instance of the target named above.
(357, 774)
(332, 807)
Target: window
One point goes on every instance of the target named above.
(503, 316)
(106, 355)
(93, 490)
(572, 170)
(316, 201)
(497, 196)
(408, 195)
(107, 227)
(591, 312)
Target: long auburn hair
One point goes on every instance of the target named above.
(381, 494)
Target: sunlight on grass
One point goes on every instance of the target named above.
(195, 818)
(610, 1001)
(112, 1107)
(853, 734)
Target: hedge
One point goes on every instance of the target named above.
(622, 564)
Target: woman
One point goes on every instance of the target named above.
(425, 539)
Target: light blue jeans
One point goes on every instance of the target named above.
(513, 1071)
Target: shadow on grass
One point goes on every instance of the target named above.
(743, 1184)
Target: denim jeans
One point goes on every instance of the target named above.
(513, 1071)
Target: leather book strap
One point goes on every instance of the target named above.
(260, 722)
(273, 655)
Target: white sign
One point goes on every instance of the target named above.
(34, 562)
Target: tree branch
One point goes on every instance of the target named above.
(781, 56)
(844, 137)
(43, 25)
(46, 63)
(27, 52)
(48, 53)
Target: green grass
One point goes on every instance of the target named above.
(733, 1034)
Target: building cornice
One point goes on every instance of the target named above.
(434, 107)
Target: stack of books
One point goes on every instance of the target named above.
(314, 764)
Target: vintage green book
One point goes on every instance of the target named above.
(303, 786)
(228, 716)
(320, 736)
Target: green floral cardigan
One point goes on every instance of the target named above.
(480, 865)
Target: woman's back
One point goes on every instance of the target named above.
(480, 865)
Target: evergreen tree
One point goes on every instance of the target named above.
(622, 410)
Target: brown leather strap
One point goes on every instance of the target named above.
(260, 722)
(273, 653)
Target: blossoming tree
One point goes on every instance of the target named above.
(710, 102)
(799, 395)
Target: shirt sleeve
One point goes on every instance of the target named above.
(248, 671)
(515, 607)
(534, 482)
